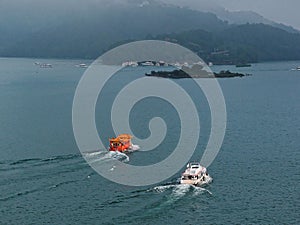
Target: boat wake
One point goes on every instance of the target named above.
(180, 190)
(34, 176)
(157, 201)
(104, 156)
(118, 156)
(173, 193)
(98, 156)
(134, 148)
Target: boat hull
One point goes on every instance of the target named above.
(123, 150)
(197, 182)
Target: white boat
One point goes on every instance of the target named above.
(45, 65)
(163, 63)
(177, 64)
(148, 63)
(186, 64)
(130, 63)
(296, 69)
(82, 65)
(195, 174)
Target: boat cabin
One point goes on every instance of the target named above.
(121, 143)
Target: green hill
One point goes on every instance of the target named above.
(77, 29)
(239, 44)
(87, 30)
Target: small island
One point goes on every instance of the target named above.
(180, 74)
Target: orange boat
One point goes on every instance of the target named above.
(122, 143)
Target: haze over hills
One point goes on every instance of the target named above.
(85, 29)
(232, 17)
(248, 43)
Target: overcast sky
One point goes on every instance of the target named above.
(283, 11)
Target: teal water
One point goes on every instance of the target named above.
(44, 179)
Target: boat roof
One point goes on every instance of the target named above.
(124, 136)
(121, 137)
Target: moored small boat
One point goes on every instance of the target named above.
(82, 65)
(147, 63)
(296, 69)
(45, 65)
(130, 63)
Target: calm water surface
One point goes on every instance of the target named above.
(44, 179)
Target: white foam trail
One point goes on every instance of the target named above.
(95, 157)
(209, 179)
(119, 156)
(135, 147)
(92, 154)
(162, 188)
(200, 190)
(180, 190)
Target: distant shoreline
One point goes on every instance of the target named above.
(91, 60)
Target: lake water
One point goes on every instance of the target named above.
(44, 179)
